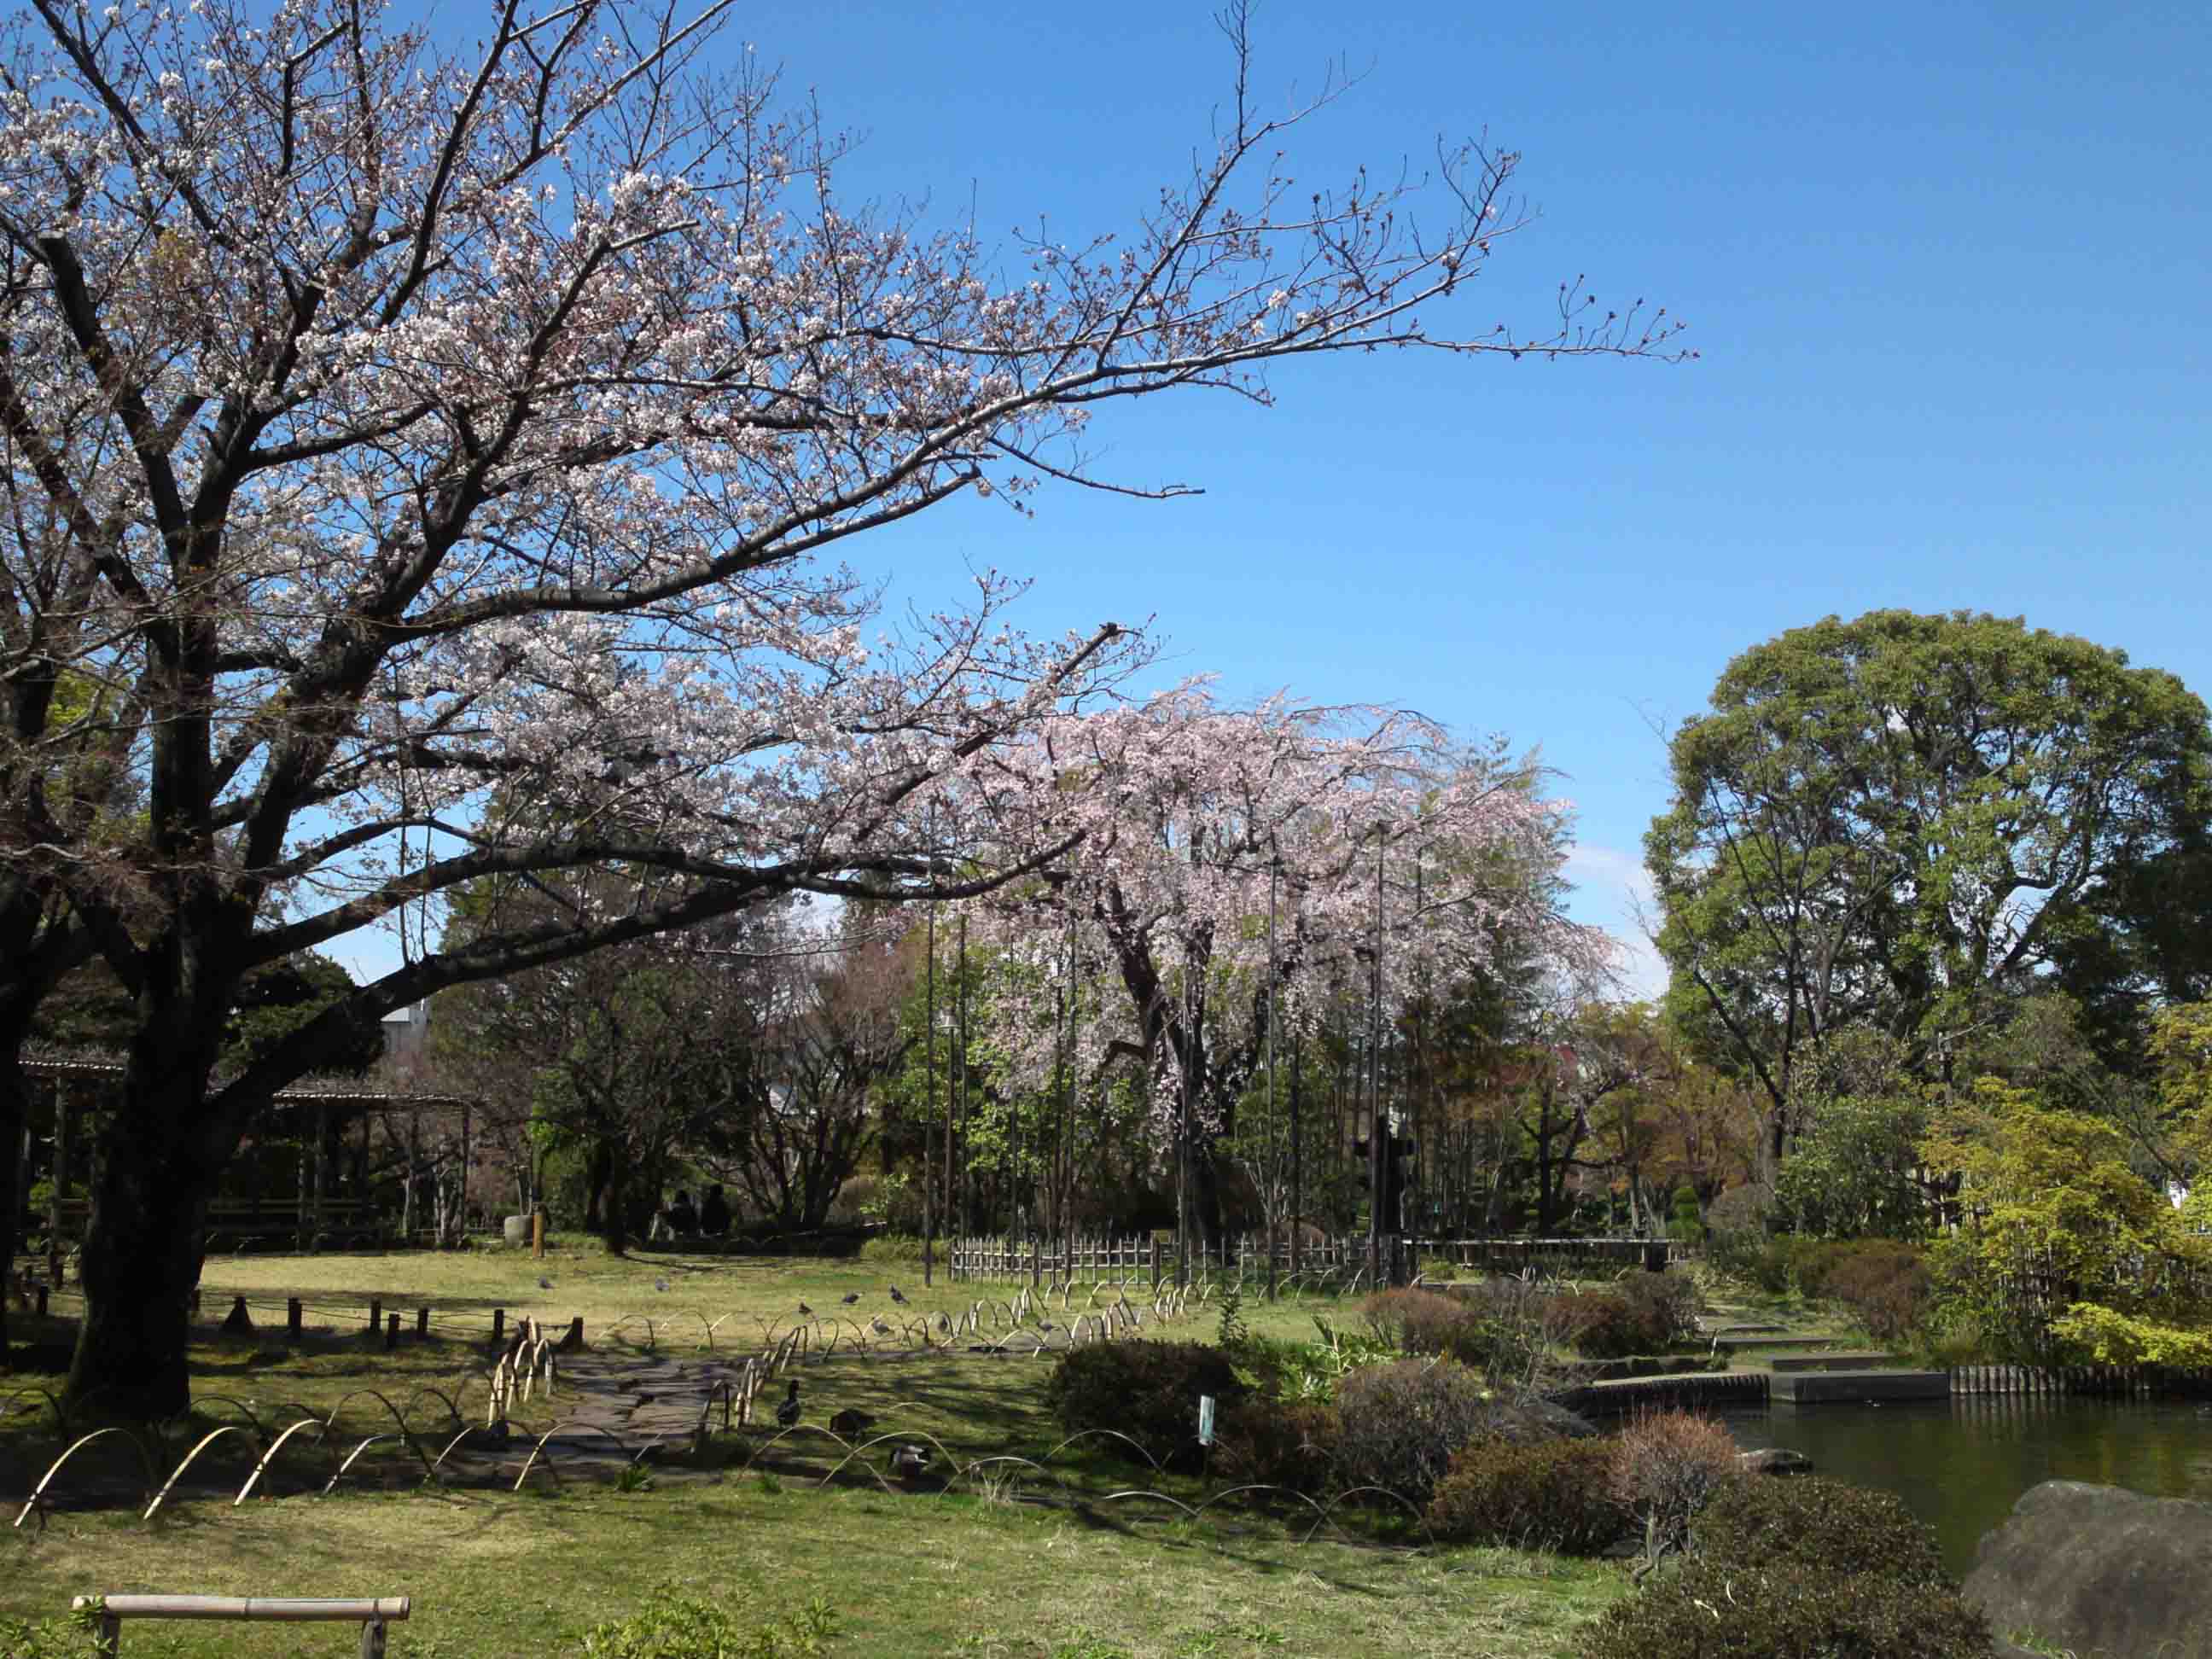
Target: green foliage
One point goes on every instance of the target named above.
(1802, 1567)
(1233, 1335)
(1555, 1495)
(1316, 1370)
(2070, 1255)
(1147, 1391)
(1885, 1285)
(674, 1624)
(891, 1247)
(1403, 1420)
(1813, 1521)
(1278, 1442)
(1643, 1313)
(1849, 1175)
(1502, 1328)
(68, 1638)
(1686, 1225)
(1710, 1609)
(1854, 821)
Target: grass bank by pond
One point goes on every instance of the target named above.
(1053, 1568)
(526, 1576)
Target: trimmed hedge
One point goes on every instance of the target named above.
(1402, 1422)
(1712, 1609)
(1641, 1314)
(1268, 1443)
(1819, 1524)
(1550, 1497)
(1807, 1568)
(1147, 1391)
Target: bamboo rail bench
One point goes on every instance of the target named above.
(372, 1612)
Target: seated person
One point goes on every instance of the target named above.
(714, 1214)
(681, 1218)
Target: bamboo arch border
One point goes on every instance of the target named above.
(529, 1357)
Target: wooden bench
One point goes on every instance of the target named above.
(347, 1220)
(372, 1614)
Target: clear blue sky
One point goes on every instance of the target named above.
(1946, 264)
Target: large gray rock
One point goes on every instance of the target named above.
(1531, 1422)
(2099, 1569)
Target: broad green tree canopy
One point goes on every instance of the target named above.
(1896, 819)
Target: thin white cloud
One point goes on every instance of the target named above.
(1613, 891)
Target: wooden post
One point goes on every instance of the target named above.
(421, 1322)
(108, 1637)
(1036, 1260)
(1156, 1264)
(44, 1291)
(63, 1099)
(376, 1313)
(372, 1638)
(391, 1331)
(538, 1234)
(292, 1311)
(498, 1325)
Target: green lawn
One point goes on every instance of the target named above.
(1052, 1568)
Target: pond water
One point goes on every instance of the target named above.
(1961, 1465)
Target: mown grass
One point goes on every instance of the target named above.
(1043, 1566)
(905, 1574)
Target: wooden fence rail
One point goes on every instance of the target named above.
(372, 1614)
(1084, 1259)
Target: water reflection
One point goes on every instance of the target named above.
(1960, 1466)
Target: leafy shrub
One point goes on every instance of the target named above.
(671, 1624)
(49, 1638)
(1885, 1284)
(1737, 1241)
(1147, 1391)
(1686, 1225)
(1402, 1422)
(891, 1247)
(1507, 1329)
(1667, 1466)
(1316, 1370)
(1714, 1609)
(1277, 1443)
(1601, 1326)
(1668, 1304)
(1754, 1258)
(1417, 1321)
(1819, 1524)
(1555, 1496)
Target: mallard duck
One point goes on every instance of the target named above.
(911, 1461)
(787, 1413)
(897, 1296)
(851, 1422)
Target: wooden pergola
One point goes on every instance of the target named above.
(77, 1080)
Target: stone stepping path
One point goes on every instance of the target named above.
(1833, 1362)
(1739, 1344)
(638, 1398)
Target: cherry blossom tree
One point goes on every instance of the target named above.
(1398, 862)
(390, 423)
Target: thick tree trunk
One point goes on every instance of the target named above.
(15, 1114)
(144, 1243)
(610, 1160)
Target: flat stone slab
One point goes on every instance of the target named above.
(1735, 1343)
(1741, 1330)
(1857, 1387)
(1833, 1362)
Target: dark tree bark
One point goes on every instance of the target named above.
(147, 1235)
